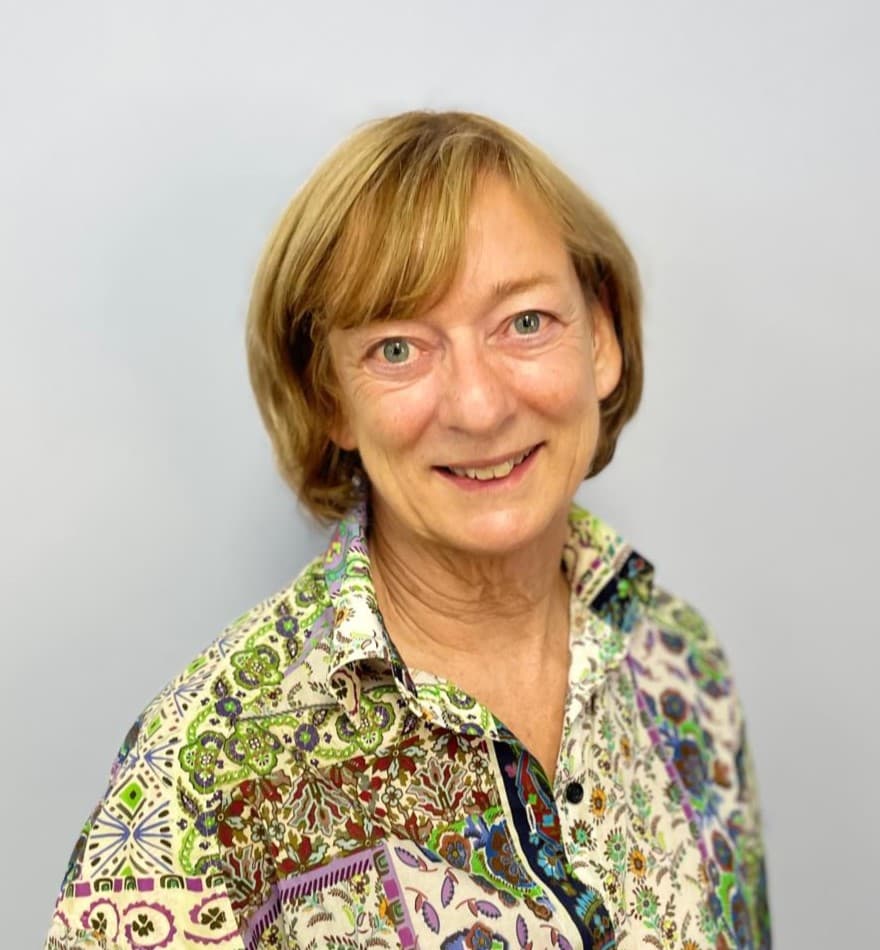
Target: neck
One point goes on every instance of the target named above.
(446, 610)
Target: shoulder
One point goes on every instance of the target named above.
(678, 630)
(244, 668)
(688, 698)
(154, 829)
(692, 711)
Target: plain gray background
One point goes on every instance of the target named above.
(147, 149)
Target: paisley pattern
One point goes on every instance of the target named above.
(298, 786)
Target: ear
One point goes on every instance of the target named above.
(607, 353)
(341, 432)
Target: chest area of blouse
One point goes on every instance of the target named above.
(428, 829)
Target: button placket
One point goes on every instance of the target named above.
(570, 794)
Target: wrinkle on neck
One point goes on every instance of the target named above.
(454, 606)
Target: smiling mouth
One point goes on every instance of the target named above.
(489, 472)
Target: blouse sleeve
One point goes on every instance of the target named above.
(126, 885)
(753, 872)
(731, 815)
(186, 914)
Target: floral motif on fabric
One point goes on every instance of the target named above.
(297, 786)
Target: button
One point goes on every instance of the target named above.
(574, 792)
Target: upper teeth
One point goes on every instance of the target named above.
(501, 470)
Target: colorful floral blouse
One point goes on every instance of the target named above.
(298, 787)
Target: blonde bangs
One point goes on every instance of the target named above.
(401, 244)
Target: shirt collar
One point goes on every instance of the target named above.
(360, 647)
(609, 582)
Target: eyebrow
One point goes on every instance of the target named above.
(507, 288)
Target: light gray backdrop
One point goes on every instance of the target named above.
(148, 148)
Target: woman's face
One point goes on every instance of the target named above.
(477, 420)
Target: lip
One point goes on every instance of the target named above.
(491, 462)
(519, 472)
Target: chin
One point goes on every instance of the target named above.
(496, 533)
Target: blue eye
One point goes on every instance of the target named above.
(527, 322)
(395, 351)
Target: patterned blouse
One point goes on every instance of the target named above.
(298, 787)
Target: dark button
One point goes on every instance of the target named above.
(574, 792)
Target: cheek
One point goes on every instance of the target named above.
(562, 387)
(389, 421)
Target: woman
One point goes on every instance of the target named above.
(476, 720)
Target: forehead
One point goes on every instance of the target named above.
(512, 218)
(511, 243)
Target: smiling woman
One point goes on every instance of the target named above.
(475, 381)
(378, 235)
(476, 721)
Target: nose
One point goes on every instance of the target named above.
(478, 395)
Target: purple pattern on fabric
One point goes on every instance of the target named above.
(328, 875)
(657, 741)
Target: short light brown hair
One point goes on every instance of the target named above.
(377, 232)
